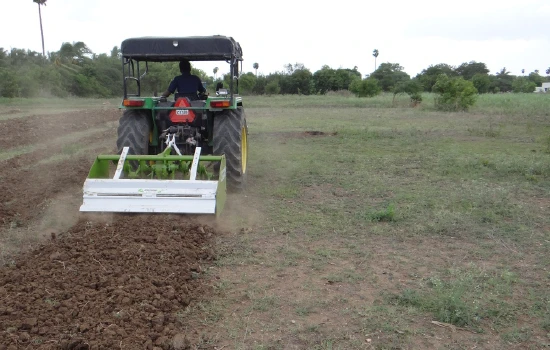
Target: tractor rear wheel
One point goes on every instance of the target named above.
(134, 128)
(230, 138)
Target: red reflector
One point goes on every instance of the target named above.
(219, 104)
(182, 115)
(133, 103)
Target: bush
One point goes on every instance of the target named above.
(454, 94)
(522, 84)
(8, 84)
(482, 82)
(413, 88)
(365, 88)
(272, 88)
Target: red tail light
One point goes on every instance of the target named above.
(219, 104)
(133, 103)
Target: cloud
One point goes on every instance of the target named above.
(506, 21)
(415, 34)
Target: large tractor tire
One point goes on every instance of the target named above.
(231, 138)
(134, 128)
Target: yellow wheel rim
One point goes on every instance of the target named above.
(244, 149)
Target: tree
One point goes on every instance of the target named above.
(246, 83)
(40, 3)
(115, 52)
(413, 88)
(389, 75)
(365, 88)
(215, 71)
(375, 53)
(272, 88)
(428, 76)
(468, 70)
(74, 53)
(522, 84)
(328, 79)
(296, 80)
(8, 84)
(536, 78)
(482, 83)
(454, 93)
(324, 79)
(256, 66)
(503, 81)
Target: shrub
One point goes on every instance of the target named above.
(365, 88)
(413, 88)
(454, 94)
(8, 84)
(522, 84)
(272, 88)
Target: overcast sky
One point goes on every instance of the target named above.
(512, 34)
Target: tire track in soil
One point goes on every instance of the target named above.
(36, 128)
(26, 184)
(108, 285)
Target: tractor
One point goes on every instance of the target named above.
(174, 156)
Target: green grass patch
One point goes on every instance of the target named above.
(464, 297)
(383, 215)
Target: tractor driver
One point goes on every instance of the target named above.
(186, 83)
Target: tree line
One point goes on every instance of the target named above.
(74, 70)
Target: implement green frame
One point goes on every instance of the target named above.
(154, 168)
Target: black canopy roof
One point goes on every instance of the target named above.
(194, 48)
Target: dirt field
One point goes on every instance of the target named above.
(393, 228)
(71, 281)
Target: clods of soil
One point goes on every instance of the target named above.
(125, 283)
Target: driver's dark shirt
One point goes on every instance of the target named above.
(186, 84)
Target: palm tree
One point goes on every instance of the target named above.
(256, 66)
(41, 2)
(503, 72)
(215, 72)
(375, 53)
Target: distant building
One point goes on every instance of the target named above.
(544, 88)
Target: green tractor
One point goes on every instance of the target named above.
(174, 156)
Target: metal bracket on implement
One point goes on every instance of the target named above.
(120, 164)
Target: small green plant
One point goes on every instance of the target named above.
(386, 215)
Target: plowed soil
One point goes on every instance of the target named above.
(70, 281)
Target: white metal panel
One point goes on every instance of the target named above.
(147, 196)
(149, 205)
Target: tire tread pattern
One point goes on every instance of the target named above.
(227, 140)
(133, 131)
